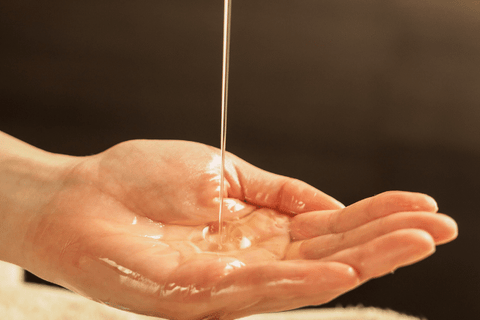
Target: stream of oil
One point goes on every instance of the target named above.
(223, 133)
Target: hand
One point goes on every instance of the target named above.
(135, 227)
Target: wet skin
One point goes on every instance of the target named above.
(134, 227)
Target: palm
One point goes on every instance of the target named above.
(135, 228)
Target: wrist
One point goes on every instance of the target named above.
(29, 178)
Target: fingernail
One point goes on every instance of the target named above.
(432, 202)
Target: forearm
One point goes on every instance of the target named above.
(28, 178)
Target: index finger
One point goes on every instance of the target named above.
(313, 224)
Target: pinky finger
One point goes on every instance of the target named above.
(284, 285)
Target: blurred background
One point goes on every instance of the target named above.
(354, 97)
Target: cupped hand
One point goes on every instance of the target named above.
(136, 227)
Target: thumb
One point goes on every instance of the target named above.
(288, 195)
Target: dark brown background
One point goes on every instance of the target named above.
(354, 97)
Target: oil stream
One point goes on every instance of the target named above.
(223, 133)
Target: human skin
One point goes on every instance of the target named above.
(135, 226)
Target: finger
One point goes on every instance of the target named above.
(284, 194)
(243, 289)
(282, 285)
(441, 227)
(311, 224)
(387, 253)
